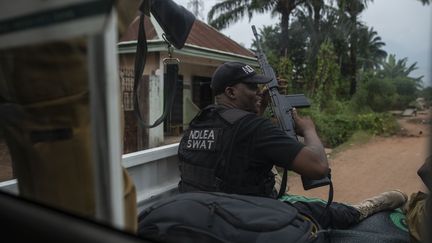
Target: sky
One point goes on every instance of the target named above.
(404, 25)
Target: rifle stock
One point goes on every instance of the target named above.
(282, 107)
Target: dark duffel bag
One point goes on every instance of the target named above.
(218, 217)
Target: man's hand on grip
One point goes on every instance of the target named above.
(302, 124)
(265, 99)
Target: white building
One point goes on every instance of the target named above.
(205, 49)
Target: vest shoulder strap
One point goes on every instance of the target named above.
(232, 115)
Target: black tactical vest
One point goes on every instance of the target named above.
(205, 155)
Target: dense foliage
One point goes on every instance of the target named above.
(337, 127)
(321, 48)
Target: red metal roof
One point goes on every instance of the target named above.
(201, 35)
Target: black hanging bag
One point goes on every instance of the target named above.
(218, 217)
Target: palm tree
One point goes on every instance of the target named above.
(318, 20)
(315, 8)
(311, 20)
(397, 72)
(370, 54)
(353, 8)
(228, 12)
(269, 40)
(393, 68)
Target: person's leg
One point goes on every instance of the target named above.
(415, 212)
(278, 181)
(342, 216)
(384, 201)
(428, 213)
(337, 216)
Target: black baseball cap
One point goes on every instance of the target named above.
(231, 73)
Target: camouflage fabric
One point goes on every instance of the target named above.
(278, 180)
(415, 216)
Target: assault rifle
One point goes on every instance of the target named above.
(282, 106)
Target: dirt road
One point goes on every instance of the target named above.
(382, 164)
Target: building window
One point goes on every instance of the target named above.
(127, 81)
(202, 94)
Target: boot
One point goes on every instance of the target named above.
(384, 201)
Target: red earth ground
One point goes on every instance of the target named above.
(383, 163)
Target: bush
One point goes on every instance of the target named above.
(377, 123)
(377, 94)
(335, 129)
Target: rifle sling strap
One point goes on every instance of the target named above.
(283, 184)
(171, 76)
(330, 195)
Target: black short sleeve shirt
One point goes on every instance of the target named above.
(269, 143)
(241, 151)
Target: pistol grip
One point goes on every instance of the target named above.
(310, 184)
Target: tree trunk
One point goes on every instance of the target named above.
(284, 25)
(353, 57)
(316, 42)
(317, 5)
(285, 8)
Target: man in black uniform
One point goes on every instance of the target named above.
(229, 148)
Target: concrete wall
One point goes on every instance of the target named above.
(190, 67)
(152, 99)
(151, 104)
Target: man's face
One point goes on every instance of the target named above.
(248, 96)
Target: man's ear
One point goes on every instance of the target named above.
(230, 92)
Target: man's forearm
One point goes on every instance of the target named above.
(313, 142)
